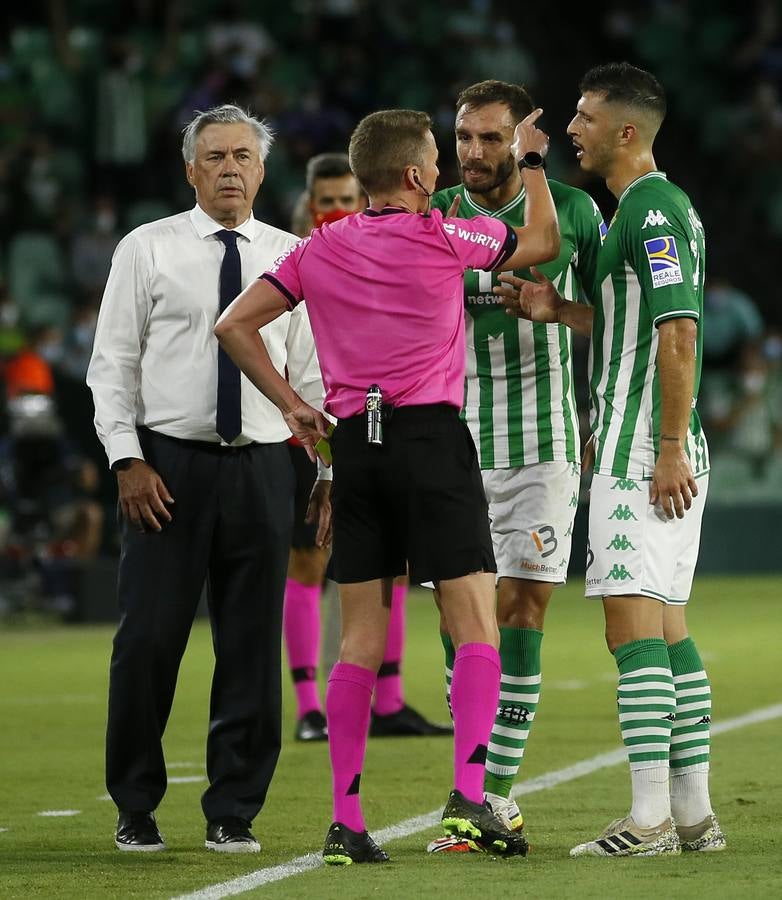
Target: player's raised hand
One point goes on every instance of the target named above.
(528, 136)
(453, 209)
(537, 300)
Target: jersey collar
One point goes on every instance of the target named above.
(495, 213)
(641, 178)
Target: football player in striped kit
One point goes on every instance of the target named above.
(520, 406)
(651, 460)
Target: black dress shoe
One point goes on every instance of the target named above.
(312, 727)
(406, 722)
(138, 831)
(230, 835)
(344, 847)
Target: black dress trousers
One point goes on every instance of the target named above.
(231, 528)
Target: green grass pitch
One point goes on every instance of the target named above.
(52, 719)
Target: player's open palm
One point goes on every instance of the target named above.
(536, 300)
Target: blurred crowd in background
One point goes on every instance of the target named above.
(93, 98)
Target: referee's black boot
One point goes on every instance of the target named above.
(138, 831)
(344, 847)
(406, 722)
(312, 727)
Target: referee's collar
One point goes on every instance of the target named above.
(390, 211)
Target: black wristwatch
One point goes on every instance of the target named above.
(532, 160)
(119, 465)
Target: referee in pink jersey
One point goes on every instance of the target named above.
(384, 296)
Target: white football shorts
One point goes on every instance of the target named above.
(531, 511)
(634, 549)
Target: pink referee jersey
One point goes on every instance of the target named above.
(385, 299)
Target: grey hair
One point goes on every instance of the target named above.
(228, 114)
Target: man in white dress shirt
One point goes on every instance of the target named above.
(205, 485)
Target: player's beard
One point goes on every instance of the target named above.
(502, 173)
(598, 160)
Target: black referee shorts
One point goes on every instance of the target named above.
(415, 501)
(306, 475)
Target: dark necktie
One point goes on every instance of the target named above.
(229, 388)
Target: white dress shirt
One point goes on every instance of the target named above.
(154, 361)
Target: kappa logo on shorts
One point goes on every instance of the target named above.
(625, 484)
(623, 513)
(574, 499)
(663, 256)
(620, 542)
(618, 573)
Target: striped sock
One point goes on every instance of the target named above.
(647, 705)
(450, 657)
(519, 696)
(690, 739)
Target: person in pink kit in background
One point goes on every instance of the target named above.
(391, 278)
(332, 192)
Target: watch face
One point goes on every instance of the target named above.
(531, 160)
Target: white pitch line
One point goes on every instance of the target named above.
(186, 779)
(260, 877)
(59, 813)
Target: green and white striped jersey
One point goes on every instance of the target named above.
(519, 401)
(650, 269)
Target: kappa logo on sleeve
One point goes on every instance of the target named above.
(654, 218)
(663, 257)
(474, 237)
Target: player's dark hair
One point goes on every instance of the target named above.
(626, 84)
(327, 165)
(514, 96)
(384, 144)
